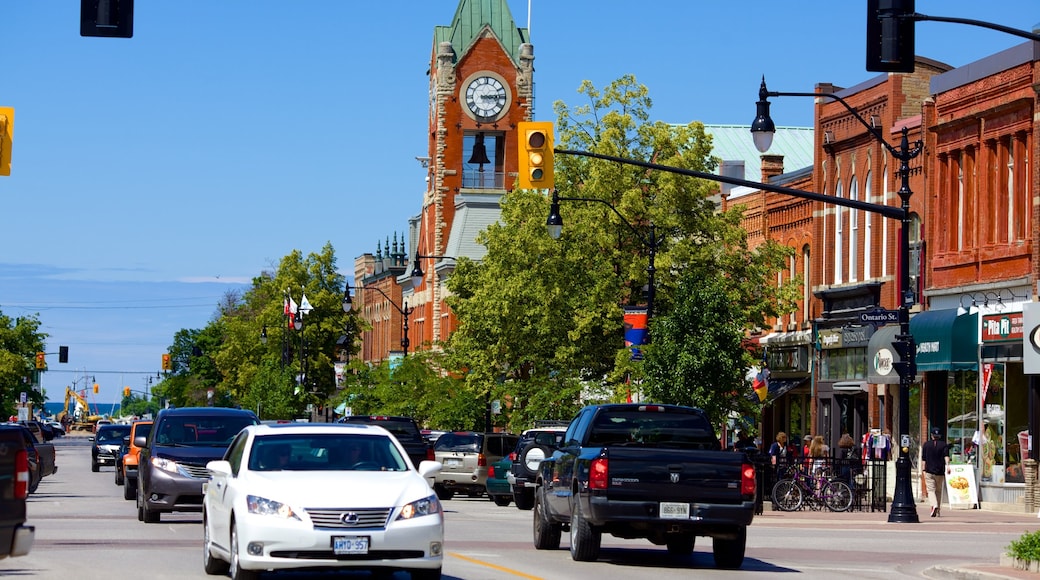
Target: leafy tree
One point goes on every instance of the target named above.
(20, 340)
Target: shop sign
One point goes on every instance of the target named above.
(997, 327)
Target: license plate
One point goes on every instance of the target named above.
(674, 510)
(350, 544)
(453, 463)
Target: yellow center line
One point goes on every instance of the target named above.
(493, 566)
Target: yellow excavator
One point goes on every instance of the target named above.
(80, 419)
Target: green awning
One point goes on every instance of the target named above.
(946, 341)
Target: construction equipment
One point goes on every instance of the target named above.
(81, 417)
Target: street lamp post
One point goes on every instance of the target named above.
(762, 130)
(405, 312)
(555, 226)
(293, 320)
(417, 274)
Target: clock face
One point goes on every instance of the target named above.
(486, 97)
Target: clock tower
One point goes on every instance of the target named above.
(480, 87)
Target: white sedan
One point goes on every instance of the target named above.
(320, 496)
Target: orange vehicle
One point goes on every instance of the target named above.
(129, 466)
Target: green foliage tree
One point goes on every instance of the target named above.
(20, 340)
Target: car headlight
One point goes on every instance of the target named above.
(165, 464)
(268, 507)
(420, 507)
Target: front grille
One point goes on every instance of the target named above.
(334, 518)
(195, 470)
(330, 555)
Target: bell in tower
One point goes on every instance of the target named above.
(479, 155)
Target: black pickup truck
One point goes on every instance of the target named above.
(644, 471)
(16, 538)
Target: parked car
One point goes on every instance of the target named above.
(498, 488)
(533, 446)
(173, 457)
(404, 428)
(465, 456)
(131, 454)
(16, 538)
(106, 441)
(42, 457)
(299, 496)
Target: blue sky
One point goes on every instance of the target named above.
(153, 174)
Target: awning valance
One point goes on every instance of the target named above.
(945, 341)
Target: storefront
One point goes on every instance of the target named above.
(788, 403)
(841, 381)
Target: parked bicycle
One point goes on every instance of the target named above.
(796, 488)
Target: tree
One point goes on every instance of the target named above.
(20, 340)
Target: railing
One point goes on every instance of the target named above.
(868, 478)
(473, 179)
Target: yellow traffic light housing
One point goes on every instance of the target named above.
(535, 155)
(126, 392)
(166, 363)
(6, 139)
(41, 360)
(96, 388)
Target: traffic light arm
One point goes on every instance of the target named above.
(916, 17)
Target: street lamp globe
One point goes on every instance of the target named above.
(298, 321)
(417, 274)
(555, 222)
(347, 303)
(762, 129)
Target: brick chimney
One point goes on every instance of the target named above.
(772, 165)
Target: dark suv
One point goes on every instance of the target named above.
(465, 457)
(106, 445)
(534, 446)
(173, 457)
(405, 429)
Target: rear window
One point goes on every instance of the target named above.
(203, 431)
(402, 429)
(633, 427)
(112, 434)
(469, 442)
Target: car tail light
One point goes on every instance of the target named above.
(598, 474)
(491, 472)
(21, 478)
(747, 480)
(430, 455)
(512, 456)
(481, 460)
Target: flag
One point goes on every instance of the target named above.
(305, 307)
(760, 383)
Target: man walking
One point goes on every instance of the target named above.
(935, 461)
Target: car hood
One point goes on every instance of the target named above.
(200, 455)
(357, 489)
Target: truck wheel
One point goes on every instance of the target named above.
(502, 500)
(130, 489)
(546, 533)
(524, 498)
(585, 539)
(729, 554)
(34, 483)
(531, 459)
(443, 493)
(119, 476)
(680, 545)
(94, 466)
(211, 564)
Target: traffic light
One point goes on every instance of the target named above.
(111, 18)
(166, 363)
(6, 139)
(41, 360)
(535, 154)
(890, 36)
(126, 392)
(906, 347)
(63, 354)
(96, 388)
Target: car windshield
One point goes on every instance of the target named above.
(458, 442)
(208, 431)
(112, 435)
(325, 452)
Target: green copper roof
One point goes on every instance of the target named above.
(471, 16)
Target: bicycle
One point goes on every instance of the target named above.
(789, 494)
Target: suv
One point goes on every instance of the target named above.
(126, 466)
(534, 446)
(106, 445)
(172, 462)
(465, 457)
(405, 429)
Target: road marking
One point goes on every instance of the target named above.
(494, 566)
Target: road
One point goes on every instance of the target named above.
(87, 531)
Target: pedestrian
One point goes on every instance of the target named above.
(743, 441)
(935, 462)
(780, 452)
(805, 445)
(818, 451)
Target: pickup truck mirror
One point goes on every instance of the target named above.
(140, 441)
(219, 467)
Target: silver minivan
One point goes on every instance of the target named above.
(465, 457)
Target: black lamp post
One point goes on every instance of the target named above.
(405, 312)
(762, 130)
(293, 320)
(555, 226)
(417, 274)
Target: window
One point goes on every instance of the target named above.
(483, 153)
(839, 237)
(853, 231)
(868, 222)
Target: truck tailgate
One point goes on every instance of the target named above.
(681, 475)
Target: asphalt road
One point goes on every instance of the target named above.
(87, 531)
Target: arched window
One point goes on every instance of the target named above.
(839, 238)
